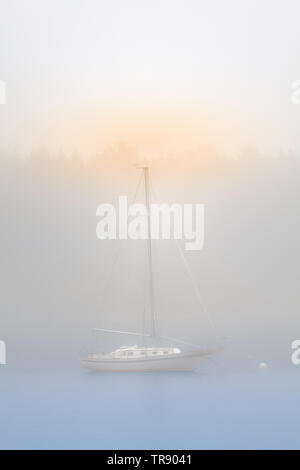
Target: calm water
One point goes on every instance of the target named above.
(212, 408)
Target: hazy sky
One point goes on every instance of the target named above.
(81, 74)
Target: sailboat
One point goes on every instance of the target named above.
(151, 357)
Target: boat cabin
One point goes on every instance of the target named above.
(142, 351)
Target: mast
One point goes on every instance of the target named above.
(149, 250)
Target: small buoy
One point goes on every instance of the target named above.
(263, 366)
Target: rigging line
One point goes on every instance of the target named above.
(169, 338)
(190, 273)
(144, 298)
(195, 285)
(144, 289)
(117, 253)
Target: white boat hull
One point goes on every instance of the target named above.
(176, 362)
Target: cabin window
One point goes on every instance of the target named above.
(165, 352)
